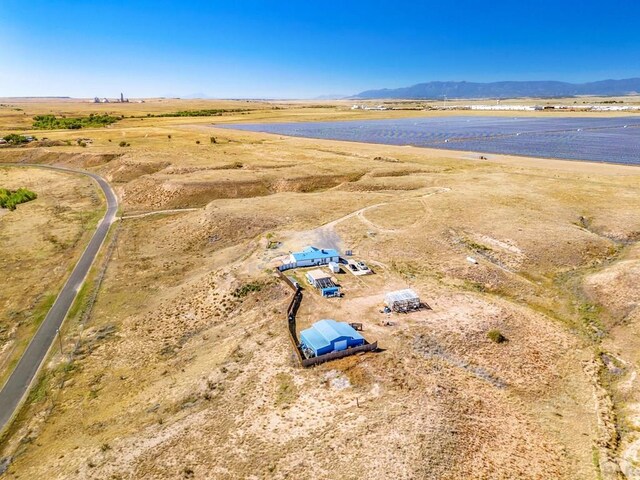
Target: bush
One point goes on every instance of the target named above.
(15, 139)
(248, 288)
(213, 139)
(197, 142)
(9, 199)
(496, 336)
(123, 144)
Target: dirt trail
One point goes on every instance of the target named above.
(159, 212)
(360, 211)
(369, 223)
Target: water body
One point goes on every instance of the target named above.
(610, 139)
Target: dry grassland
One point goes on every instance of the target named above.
(40, 242)
(179, 373)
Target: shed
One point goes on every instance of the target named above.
(328, 336)
(402, 300)
(334, 267)
(311, 256)
(323, 282)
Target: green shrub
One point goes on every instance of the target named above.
(51, 122)
(9, 199)
(496, 336)
(244, 290)
(15, 139)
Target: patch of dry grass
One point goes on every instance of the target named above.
(39, 244)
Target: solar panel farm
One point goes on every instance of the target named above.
(459, 317)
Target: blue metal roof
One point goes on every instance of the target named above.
(324, 332)
(313, 253)
(314, 339)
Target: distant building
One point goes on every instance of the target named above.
(312, 256)
(366, 107)
(328, 336)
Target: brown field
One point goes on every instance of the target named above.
(39, 243)
(176, 375)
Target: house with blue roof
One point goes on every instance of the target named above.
(328, 336)
(312, 256)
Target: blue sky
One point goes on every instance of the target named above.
(306, 48)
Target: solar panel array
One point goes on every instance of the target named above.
(606, 139)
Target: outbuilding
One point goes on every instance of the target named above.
(402, 300)
(323, 282)
(328, 336)
(312, 256)
(334, 267)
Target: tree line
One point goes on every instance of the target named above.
(51, 122)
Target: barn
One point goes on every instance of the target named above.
(312, 256)
(328, 336)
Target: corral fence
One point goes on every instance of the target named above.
(367, 347)
(292, 310)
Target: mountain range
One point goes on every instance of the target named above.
(507, 89)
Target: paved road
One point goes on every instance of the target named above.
(17, 386)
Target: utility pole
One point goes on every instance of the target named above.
(60, 339)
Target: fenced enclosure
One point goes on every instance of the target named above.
(292, 311)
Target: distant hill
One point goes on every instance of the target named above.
(333, 96)
(470, 90)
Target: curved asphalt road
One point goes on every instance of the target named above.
(17, 386)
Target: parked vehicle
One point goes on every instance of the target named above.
(362, 266)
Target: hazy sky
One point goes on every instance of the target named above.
(306, 48)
